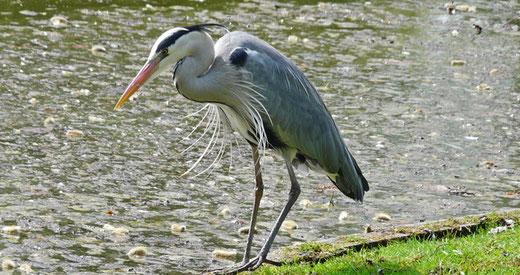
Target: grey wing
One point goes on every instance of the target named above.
(298, 116)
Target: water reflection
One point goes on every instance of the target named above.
(418, 126)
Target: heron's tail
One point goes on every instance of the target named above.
(350, 180)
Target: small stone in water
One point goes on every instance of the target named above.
(225, 212)
(49, 121)
(98, 49)
(458, 63)
(81, 92)
(381, 217)
(483, 86)
(292, 38)
(245, 230)
(289, 225)
(11, 229)
(94, 119)
(8, 265)
(305, 203)
(224, 254)
(74, 133)
(176, 228)
(26, 268)
(493, 72)
(33, 101)
(137, 251)
(58, 20)
(343, 216)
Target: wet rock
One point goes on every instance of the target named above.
(343, 216)
(466, 8)
(493, 72)
(224, 254)
(292, 38)
(225, 212)
(58, 20)
(33, 101)
(8, 265)
(139, 251)
(305, 203)
(289, 225)
(487, 164)
(458, 63)
(177, 228)
(483, 87)
(245, 230)
(12, 229)
(49, 122)
(26, 268)
(81, 92)
(94, 119)
(73, 134)
(98, 50)
(116, 230)
(382, 217)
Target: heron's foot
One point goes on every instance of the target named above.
(251, 265)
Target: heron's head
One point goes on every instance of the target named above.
(170, 48)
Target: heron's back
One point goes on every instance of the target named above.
(298, 118)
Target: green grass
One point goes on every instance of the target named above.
(480, 253)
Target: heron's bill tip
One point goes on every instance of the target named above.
(144, 75)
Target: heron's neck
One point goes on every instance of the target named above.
(193, 77)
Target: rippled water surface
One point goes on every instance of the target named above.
(430, 143)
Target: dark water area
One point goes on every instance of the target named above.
(435, 138)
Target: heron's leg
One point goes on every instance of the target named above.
(293, 196)
(259, 190)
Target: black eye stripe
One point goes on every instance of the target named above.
(170, 40)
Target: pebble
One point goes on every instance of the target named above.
(289, 225)
(225, 212)
(245, 230)
(343, 216)
(493, 72)
(58, 20)
(176, 228)
(81, 92)
(74, 133)
(98, 50)
(381, 217)
(458, 63)
(137, 251)
(26, 268)
(483, 86)
(455, 33)
(49, 121)
(8, 265)
(224, 254)
(305, 203)
(292, 38)
(94, 119)
(33, 101)
(11, 229)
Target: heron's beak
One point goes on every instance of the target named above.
(140, 79)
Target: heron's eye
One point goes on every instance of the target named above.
(164, 51)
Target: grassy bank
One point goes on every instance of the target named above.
(476, 252)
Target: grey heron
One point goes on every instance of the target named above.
(264, 97)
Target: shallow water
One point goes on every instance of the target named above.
(419, 128)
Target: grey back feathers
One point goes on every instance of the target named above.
(298, 116)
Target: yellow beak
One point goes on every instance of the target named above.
(144, 74)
